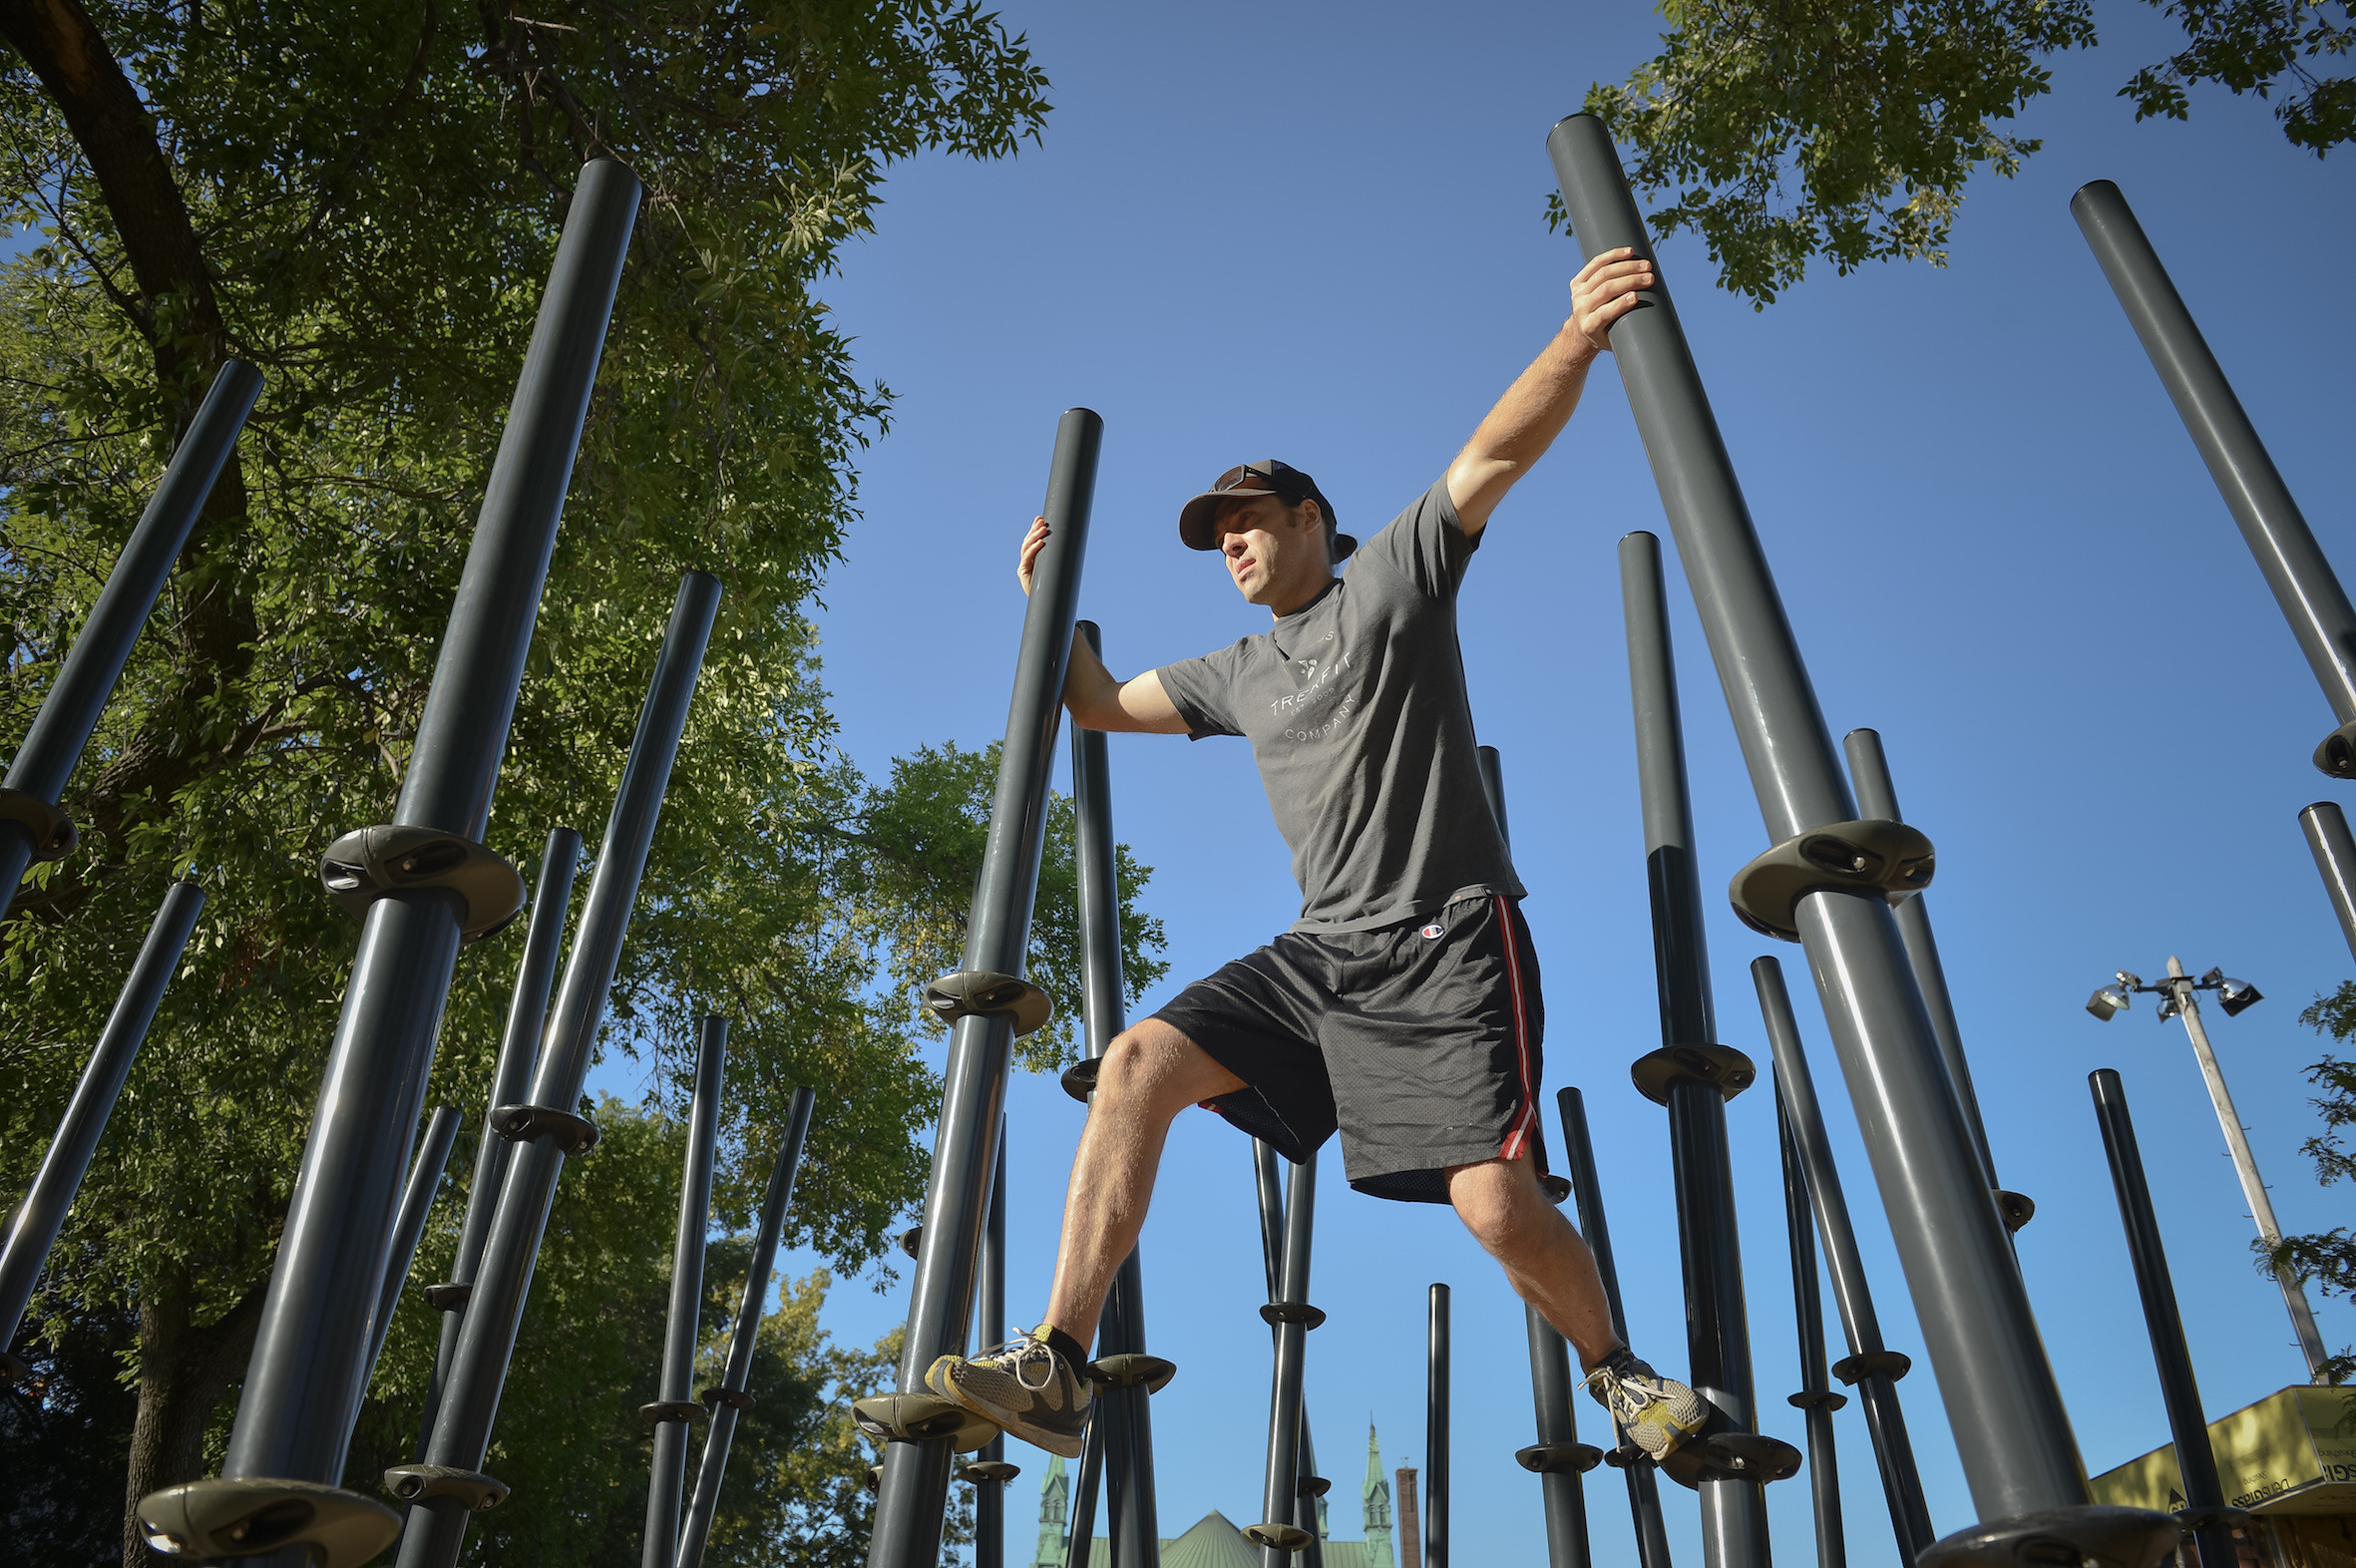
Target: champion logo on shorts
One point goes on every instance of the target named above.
(1432, 932)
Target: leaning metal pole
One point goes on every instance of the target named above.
(728, 1400)
(2304, 586)
(417, 1203)
(914, 1491)
(31, 825)
(1816, 1395)
(990, 1485)
(1869, 1367)
(2206, 1513)
(449, 1483)
(511, 1084)
(290, 1431)
(1644, 1483)
(33, 1230)
(674, 1408)
(2004, 1405)
(2326, 826)
(1692, 1074)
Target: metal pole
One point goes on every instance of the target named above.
(69, 713)
(1436, 1429)
(1272, 1219)
(305, 1370)
(2245, 1165)
(548, 1129)
(1877, 797)
(2196, 1462)
(729, 1398)
(1717, 1326)
(913, 1490)
(1083, 1502)
(1644, 1487)
(2303, 583)
(511, 1084)
(417, 1202)
(2326, 826)
(1291, 1313)
(33, 1230)
(2004, 1407)
(673, 1395)
(989, 1495)
(1816, 1395)
(1871, 1369)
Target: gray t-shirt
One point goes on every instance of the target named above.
(1356, 711)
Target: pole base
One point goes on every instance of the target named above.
(2094, 1536)
(253, 1517)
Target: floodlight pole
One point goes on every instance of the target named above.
(2004, 1405)
(30, 826)
(1815, 1397)
(2326, 826)
(912, 1494)
(417, 1202)
(674, 1408)
(729, 1399)
(32, 1231)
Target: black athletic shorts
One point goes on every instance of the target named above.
(1419, 1041)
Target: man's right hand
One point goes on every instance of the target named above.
(1033, 542)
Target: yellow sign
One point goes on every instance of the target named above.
(2291, 1452)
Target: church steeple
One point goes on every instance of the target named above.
(1055, 1504)
(1376, 1501)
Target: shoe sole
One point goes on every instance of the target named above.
(1067, 1444)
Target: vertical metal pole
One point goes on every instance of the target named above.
(1292, 1331)
(305, 1370)
(1550, 1365)
(1436, 1429)
(1272, 1218)
(1717, 1326)
(730, 1398)
(2326, 826)
(1876, 1368)
(1134, 1516)
(1083, 1496)
(1877, 798)
(33, 1230)
(1816, 1395)
(2245, 1165)
(417, 1202)
(660, 1546)
(70, 711)
(495, 1311)
(989, 1496)
(914, 1491)
(1644, 1487)
(2303, 583)
(511, 1084)
(2003, 1404)
(2196, 1462)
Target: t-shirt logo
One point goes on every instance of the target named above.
(1432, 932)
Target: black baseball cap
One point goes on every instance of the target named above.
(1268, 476)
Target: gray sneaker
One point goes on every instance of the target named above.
(1657, 1413)
(1025, 1386)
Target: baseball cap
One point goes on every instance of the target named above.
(1267, 477)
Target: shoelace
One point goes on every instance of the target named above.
(1018, 1354)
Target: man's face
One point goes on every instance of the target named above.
(1269, 547)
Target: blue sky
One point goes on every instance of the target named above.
(1313, 230)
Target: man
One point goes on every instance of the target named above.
(1402, 1007)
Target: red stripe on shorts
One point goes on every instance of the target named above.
(1517, 1136)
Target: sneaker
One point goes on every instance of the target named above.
(1025, 1386)
(1657, 1413)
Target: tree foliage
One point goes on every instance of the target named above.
(2328, 1257)
(1780, 131)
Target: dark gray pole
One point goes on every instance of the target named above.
(1436, 1429)
(1871, 1369)
(1271, 1217)
(30, 826)
(1692, 1073)
(1126, 1413)
(1083, 1499)
(2304, 586)
(675, 1394)
(990, 1493)
(1816, 1395)
(2204, 1495)
(38, 1218)
(2003, 1404)
(1550, 1365)
(1293, 1316)
(304, 1375)
(548, 1128)
(729, 1398)
(417, 1202)
(1644, 1486)
(1877, 797)
(511, 1084)
(913, 1490)
(2326, 826)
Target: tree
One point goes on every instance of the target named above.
(2328, 1257)
(363, 201)
(1879, 112)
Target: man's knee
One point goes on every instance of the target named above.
(1500, 1204)
(1151, 1069)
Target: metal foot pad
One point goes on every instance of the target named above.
(448, 1297)
(2336, 756)
(952, 997)
(364, 865)
(1853, 1370)
(1281, 1538)
(991, 1471)
(416, 1483)
(2017, 1208)
(1722, 1067)
(251, 1517)
(575, 1135)
(1291, 1312)
(1080, 1080)
(1310, 1486)
(1560, 1459)
(734, 1398)
(1723, 1451)
(1130, 1370)
(1891, 861)
(2095, 1536)
(50, 829)
(1818, 1399)
(684, 1411)
(922, 1417)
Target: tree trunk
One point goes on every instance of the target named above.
(183, 1371)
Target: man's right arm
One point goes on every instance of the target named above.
(1095, 699)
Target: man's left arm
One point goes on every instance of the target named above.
(1534, 408)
